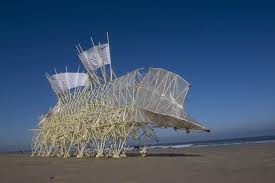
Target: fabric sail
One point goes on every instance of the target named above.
(96, 57)
(66, 81)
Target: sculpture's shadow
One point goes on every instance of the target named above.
(154, 154)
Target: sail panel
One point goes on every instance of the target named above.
(66, 81)
(96, 57)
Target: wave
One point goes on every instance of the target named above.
(209, 143)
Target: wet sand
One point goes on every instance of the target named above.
(236, 163)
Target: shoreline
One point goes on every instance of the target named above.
(215, 142)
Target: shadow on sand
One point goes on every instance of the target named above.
(164, 155)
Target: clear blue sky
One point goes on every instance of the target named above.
(225, 49)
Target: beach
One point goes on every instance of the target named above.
(231, 163)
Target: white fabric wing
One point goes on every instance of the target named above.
(123, 89)
(66, 81)
(105, 53)
(162, 92)
(96, 57)
(160, 99)
(91, 59)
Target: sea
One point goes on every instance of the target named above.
(217, 142)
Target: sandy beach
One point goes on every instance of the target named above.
(234, 163)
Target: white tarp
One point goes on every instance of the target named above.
(160, 99)
(66, 81)
(105, 53)
(96, 57)
(162, 92)
(123, 89)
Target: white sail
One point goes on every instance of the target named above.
(96, 57)
(66, 81)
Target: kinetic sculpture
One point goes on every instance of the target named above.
(97, 112)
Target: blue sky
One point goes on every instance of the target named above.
(225, 49)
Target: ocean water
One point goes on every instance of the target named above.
(217, 142)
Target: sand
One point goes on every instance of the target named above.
(235, 163)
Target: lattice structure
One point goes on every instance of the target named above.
(97, 113)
